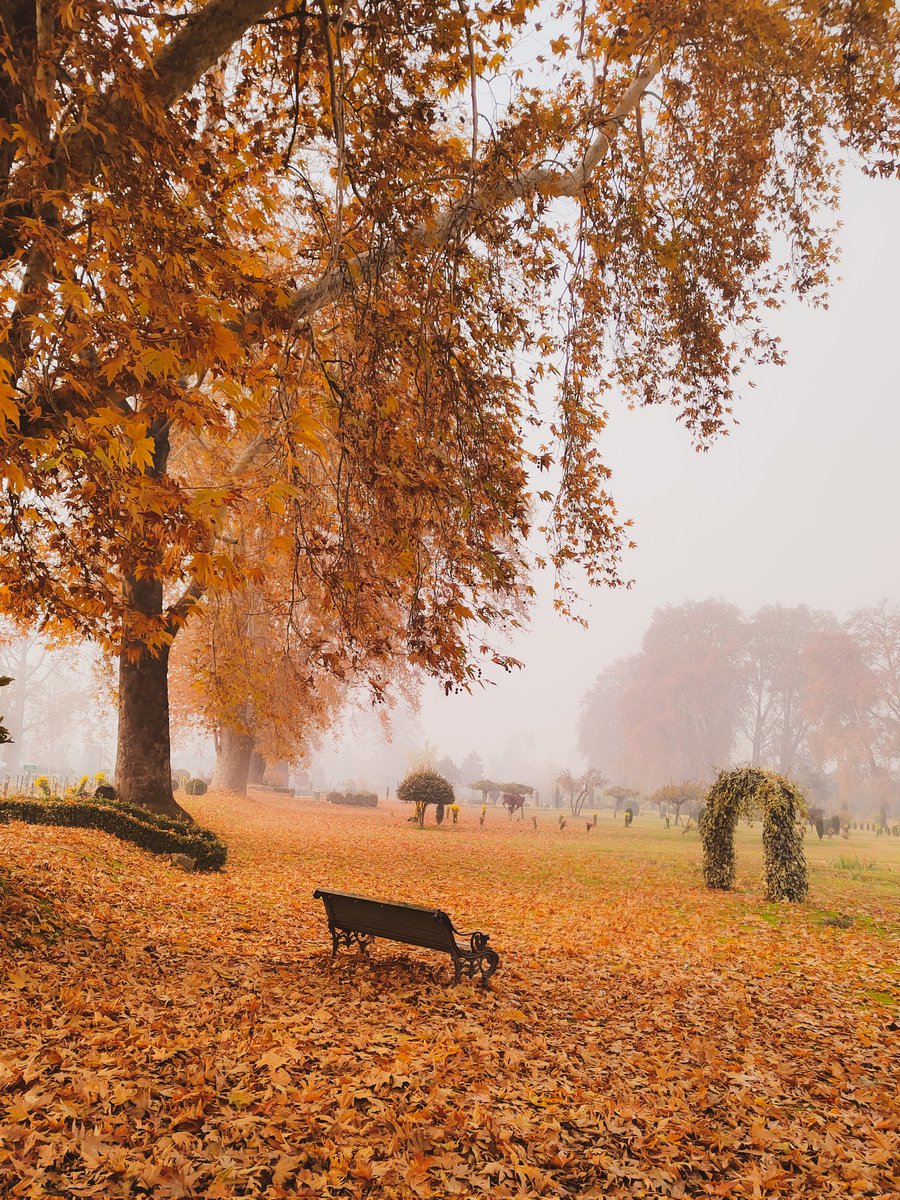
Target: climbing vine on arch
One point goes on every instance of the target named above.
(746, 792)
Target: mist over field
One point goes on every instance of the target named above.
(797, 507)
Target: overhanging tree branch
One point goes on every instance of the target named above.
(202, 40)
(178, 611)
(546, 181)
(205, 36)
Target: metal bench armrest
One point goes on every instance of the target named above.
(477, 941)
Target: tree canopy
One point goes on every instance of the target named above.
(283, 253)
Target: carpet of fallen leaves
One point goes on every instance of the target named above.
(170, 1035)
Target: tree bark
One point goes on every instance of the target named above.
(233, 758)
(277, 773)
(143, 759)
(143, 768)
(257, 767)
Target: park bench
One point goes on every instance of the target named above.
(357, 920)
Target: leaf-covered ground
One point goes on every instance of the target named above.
(173, 1035)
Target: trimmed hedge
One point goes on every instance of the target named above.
(149, 831)
(147, 817)
(357, 799)
(196, 787)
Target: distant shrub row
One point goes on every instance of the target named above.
(161, 835)
(193, 787)
(357, 799)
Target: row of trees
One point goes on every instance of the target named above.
(267, 280)
(791, 689)
(57, 705)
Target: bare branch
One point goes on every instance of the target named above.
(546, 181)
(201, 41)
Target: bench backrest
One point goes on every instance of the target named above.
(410, 923)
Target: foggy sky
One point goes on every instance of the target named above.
(798, 505)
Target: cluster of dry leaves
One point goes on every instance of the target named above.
(171, 1035)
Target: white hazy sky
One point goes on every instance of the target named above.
(798, 505)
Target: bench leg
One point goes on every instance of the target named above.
(348, 938)
(482, 962)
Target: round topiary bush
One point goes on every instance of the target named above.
(423, 788)
(196, 787)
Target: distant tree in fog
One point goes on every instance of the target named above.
(787, 689)
(841, 703)
(876, 631)
(775, 720)
(672, 710)
(471, 769)
(620, 796)
(448, 768)
(579, 787)
(50, 690)
(602, 735)
(673, 797)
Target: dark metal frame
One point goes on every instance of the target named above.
(478, 958)
(348, 938)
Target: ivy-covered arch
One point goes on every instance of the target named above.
(746, 792)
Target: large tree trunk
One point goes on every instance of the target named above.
(257, 767)
(143, 758)
(277, 773)
(233, 758)
(143, 768)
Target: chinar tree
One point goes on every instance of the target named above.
(749, 791)
(275, 236)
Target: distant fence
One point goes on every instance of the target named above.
(24, 783)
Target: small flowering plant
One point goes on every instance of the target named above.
(80, 789)
(42, 783)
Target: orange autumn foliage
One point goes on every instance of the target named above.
(286, 231)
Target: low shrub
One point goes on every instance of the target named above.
(173, 824)
(144, 829)
(357, 799)
(425, 787)
(196, 787)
